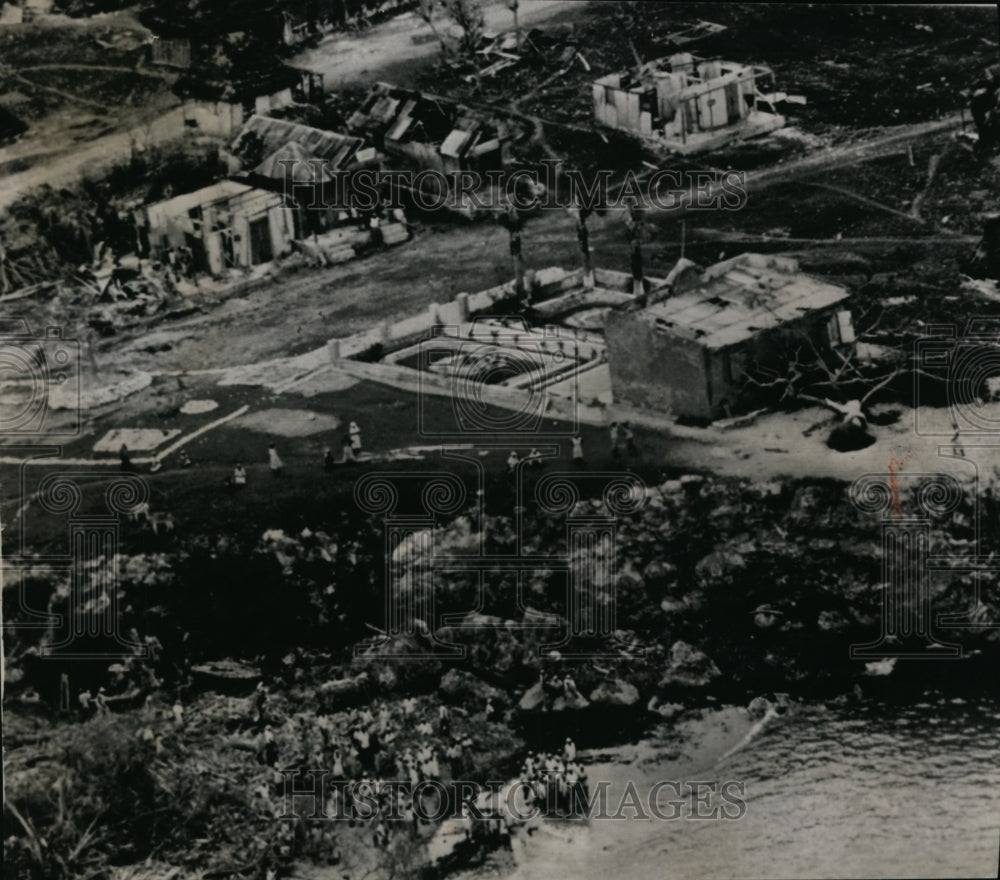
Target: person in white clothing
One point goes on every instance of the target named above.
(274, 460)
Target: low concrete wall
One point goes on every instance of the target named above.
(517, 399)
(409, 330)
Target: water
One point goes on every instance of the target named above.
(851, 790)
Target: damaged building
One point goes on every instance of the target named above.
(264, 146)
(226, 225)
(428, 132)
(219, 109)
(689, 104)
(690, 349)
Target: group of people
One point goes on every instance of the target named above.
(556, 780)
(133, 674)
(535, 458)
(352, 448)
(622, 435)
(367, 747)
(622, 443)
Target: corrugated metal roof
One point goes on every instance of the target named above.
(304, 167)
(741, 297)
(331, 146)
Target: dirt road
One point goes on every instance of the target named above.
(388, 48)
(68, 164)
(344, 59)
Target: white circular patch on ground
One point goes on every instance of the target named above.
(196, 407)
(288, 422)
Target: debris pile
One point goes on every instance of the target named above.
(984, 103)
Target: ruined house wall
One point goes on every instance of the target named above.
(656, 371)
(171, 53)
(618, 108)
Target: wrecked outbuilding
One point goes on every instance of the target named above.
(226, 225)
(428, 132)
(263, 144)
(689, 104)
(690, 350)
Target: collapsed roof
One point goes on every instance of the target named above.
(732, 301)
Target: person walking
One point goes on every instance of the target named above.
(124, 458)
(616, 450)
(629, 438)
(239, 476)
(328, 461)
(274, 461)
(578, 451)
(64, 705)
(569, 750)
(512, 461)
(354, 432)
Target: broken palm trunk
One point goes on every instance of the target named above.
(985, 261)
(583, 237)
(634, 229)
(513, 222)
(985, 107)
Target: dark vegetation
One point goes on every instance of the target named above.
(66, 224)
(695, 565)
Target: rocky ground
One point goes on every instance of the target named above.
(725, 588)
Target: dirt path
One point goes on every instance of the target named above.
(352, 59)
(67, 165)
(883, 144)
(846, 154)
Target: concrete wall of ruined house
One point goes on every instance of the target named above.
(618, 108)
(655, 371)
(658, 371)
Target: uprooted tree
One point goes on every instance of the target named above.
(425, 11)
(468, 16)
(631, 18)
(833, 377)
